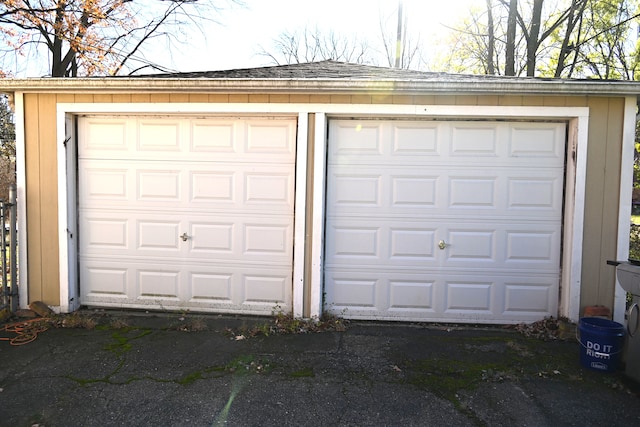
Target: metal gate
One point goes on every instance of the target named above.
(9, 253)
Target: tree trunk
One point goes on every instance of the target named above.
(510, 59)
(575, 16)
(532, 40)
(491, 40)
(399, 36)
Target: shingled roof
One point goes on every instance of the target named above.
(328, 77)
(328, 69)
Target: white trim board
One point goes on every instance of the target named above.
(569, 306)
(299, 216)
(21, 187)
(626, 188)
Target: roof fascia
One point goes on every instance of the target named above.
(329, 86)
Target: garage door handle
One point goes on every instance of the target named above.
(442, 244)
(184, 237)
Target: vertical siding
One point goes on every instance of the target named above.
(42, 198)
(602, 200)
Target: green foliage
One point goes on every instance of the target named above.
(634, 242)
(7, 149)
(577, 38)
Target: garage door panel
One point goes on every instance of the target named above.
(411, 139)
(411, 295)
(158, 236)
(227, 238)
(467, 228)
(159, 136)
(415, 243)
(497, 245)
(105, 135)
(270, 137)
(187, 213)
(211, 287)
(223, 288)
(509, 192)
(356, 139)
(474, 192)
(174, 138)
(158, 185)
(362, 142)
(430, 296)
(159, 284)
(538, 142)
(474, 140)
(212, 187)
(263, 188)
(469, 296)
(109, 281)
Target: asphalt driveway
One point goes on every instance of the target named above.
(173, 370)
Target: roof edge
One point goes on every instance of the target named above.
(327, 86)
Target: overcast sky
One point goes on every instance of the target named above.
(236, 42)
(242, 31)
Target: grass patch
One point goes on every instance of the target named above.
(303, 373)
(286, 324)
(248, 364)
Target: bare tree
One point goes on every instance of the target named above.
(401, 50)
(314, 45)
(510, 60)
(87, 37)
(565, 38)
(491, 39)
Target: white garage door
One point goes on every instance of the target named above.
(444, 221)
(186, 213)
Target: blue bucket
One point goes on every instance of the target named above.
(601, 342)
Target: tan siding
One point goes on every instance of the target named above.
(222, 98)
(402, 99)
(320, 99)
(42, 198)
(279, 98)
(259, 98)
(84, 97)
(238, 98)
(179, 97)
(487, 100)
(122, 98)
(601, 200)
(34, 211)
(361, 99)
(382, 99)
(340, 99)
(576, 101)
(66, 98)
(308, 218)
(424, 99)
(445, 100)
(198, 97)
(159, 97)
(467, 100)
(554, 101)
(510, 100)
(535, 101)
(102, 98)
(49, 200)
(298, 98)
(140, 97)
